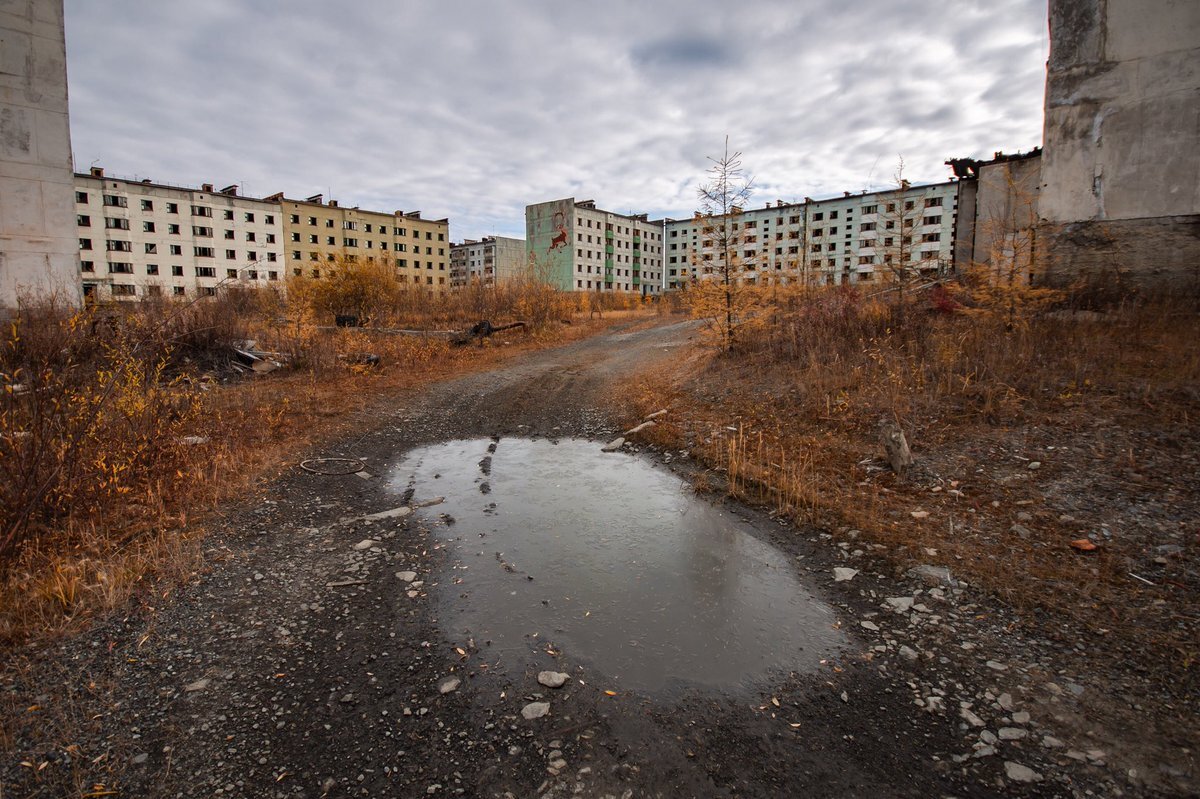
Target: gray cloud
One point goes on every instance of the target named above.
(473, 109)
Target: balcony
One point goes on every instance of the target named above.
(608, 234)
(636, 252)
(608, 248)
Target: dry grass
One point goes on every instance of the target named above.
(789, 418)
(121, 427)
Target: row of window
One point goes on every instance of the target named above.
(117, 268)
(649, 234)
(369, 227)
(119, 201)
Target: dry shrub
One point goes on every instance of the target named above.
(789, 415)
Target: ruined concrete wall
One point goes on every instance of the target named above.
(1122, 133)
(39, 252)
(1006, 213)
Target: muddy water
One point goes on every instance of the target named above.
(611, 561)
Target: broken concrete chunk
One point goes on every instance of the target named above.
(552, 679)
(900, 604)
(449, 685)
(613, 445)
(842, 574)
(933, 575)
(535, 710)
(394, 513)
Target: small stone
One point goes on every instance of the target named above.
(1020, 717)
(970, 717)
(613, 445)
(1012, 733)
(558, 764)
(1034, 466)
(1024, 516)
(933, 575)
(842, 574)
(900, 604)
(1018, 773)
(908, 653)
(449, 685)
(991, 664)
(366, 543)
(1005, 701)
(869, 625)
(513, 751)
(198, 685)
(985, 751)
(535, 710)
(919, 514)
(139, 759)
(1050, 742)
(1021, 530)
(406, 577)
(552, 679)
(258, 576)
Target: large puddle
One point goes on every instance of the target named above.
(612, 561)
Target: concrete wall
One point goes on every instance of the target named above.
(1121, 174)
(38, 247)
(1006, 214)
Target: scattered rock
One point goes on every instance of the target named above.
(552, 679)
(535, 710)
(841, 574)
(933, 575)
(1012, 733)
(139, 759)
(394, 513)
(613, 445)
(449, 685)
(1034, 466)
(198, 685)
(908, 653)
(366, 543)
(406, 577)
(900, 604)
(995, 666)
(1020, 717)
(1050, 742)
(639, 428)
(970, 717)
(430, 502)
(919, 514)
(869, 625)
(1018, 773)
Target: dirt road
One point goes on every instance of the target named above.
(300, 665)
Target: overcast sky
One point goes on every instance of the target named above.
(473, 109)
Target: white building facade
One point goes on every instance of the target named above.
(141, 239)
(491, 260)
(856, 238)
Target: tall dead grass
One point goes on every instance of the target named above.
(789, 417)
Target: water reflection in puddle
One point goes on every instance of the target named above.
(614, 562)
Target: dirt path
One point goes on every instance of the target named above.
(300, 666)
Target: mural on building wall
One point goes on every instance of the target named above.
(548, 231)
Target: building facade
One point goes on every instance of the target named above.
(577, 247)
(37, 244)
(139, 239)
(316, 233)
(491, 260)
(1120, 177)
(856, 238)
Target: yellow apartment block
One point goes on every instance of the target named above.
(316, 232)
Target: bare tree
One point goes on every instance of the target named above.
(721, 201)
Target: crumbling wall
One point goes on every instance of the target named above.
(1121, 174)
(39, 248)
(1006, 212)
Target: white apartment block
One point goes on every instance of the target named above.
(142, 239)
(491, 260)
(579, 247)
(856, 238)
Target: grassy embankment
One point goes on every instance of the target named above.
(1076, 418)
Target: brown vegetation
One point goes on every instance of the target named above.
(120, 426)
(986, 383)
